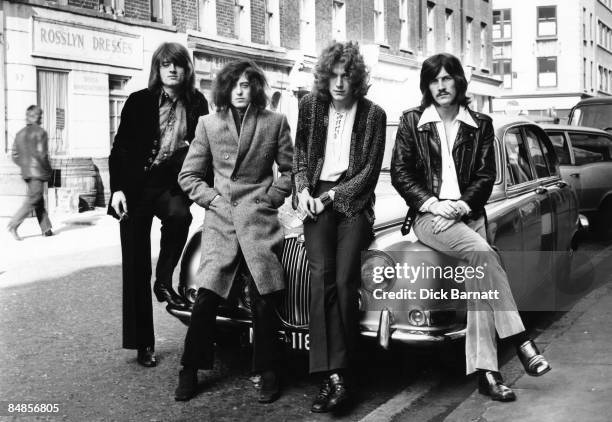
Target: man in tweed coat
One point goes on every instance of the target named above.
(240, 142)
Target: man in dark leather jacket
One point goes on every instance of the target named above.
(31, 154)
(443, 165)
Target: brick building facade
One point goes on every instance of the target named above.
(89, 80)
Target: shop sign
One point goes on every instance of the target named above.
(83, 43)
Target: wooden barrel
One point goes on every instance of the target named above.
(78, 174)
(102, 181)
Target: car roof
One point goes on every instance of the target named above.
(550, 127)
(502, 121)
(595, 100)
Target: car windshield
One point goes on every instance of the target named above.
(593, 115)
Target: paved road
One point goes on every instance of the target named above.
(61, 341)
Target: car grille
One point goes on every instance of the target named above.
(293, 309)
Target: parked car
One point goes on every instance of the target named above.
(592, 112)
(531, 209)
(585, 155)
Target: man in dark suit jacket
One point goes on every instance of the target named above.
(157, 126)
(31, 154)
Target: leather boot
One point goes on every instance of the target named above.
(321, 402)
(339, 392)
(270, 387)
(165, 293)
(146, 357)
(534, 363)
(491, 384)
(188, 384)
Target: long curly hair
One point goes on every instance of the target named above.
(348, 54)
(177, 54)
(228, 76)
(430, 70)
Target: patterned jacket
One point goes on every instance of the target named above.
(355, 190)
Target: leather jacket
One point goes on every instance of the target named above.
(416, 164)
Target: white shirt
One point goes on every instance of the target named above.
(449, 186)
(338, 145)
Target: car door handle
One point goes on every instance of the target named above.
(541, 190)
(561, 184)
(576, 175)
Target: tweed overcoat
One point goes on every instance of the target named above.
(245, 217)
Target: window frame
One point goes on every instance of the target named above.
(538, 72)
(544, 20)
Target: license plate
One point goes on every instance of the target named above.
(296, 340)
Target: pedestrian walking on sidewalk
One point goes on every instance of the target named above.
(443, 165)
(241, 142)
(31, 154)
(157, 126)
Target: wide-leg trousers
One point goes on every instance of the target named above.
(468, 242)
(333, 246)
(199, 341)
(171, 206)
(33, 201)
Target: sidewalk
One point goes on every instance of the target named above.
(76, 244)
(579, 387)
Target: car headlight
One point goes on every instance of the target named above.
(377, 271)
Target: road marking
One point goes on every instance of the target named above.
(402, 400)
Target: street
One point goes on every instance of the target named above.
(61, 343)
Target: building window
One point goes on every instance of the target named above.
(483, 45)
(502, 24)
(448, 30)
(114, 7)
(242, 19)
(338, 21)
(431, 28)
(584, 18)
(207, 16)
(468, 40)
(592, 76)
(272, 36)
(547, 21)
(380, 35)
(307, 25)
(117, 97)
(52, 89)
(547, 72)
(404, 29)
(601, 78)
(502, 68)
(161, 11)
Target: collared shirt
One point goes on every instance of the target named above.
(172, 127)
(338, 145)
(449, 186)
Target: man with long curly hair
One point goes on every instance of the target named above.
(339, 148)
(240, 143)
(157, 125)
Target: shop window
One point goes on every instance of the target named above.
(117, 97)
(52, 90)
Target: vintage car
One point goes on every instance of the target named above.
(585, 158)
(592, 112)
(531, 209)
